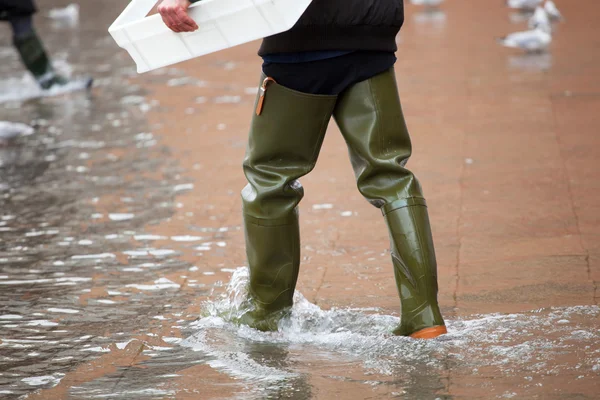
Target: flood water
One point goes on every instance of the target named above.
(94, 303)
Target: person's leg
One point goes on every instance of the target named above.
(21, 26)
(370, 118)
(33, 54)
(285, 138)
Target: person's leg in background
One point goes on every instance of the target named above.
(370, 118)
(32, 52)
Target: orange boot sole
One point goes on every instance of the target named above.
(430, 333)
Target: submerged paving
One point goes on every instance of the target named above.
(122, 255)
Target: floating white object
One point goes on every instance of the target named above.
(222, 24)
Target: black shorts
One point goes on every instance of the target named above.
(16, 8)
(331, 75)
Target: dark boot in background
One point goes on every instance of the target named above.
(36, 60)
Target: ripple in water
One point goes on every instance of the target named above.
(528, 347)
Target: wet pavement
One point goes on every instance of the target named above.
(121, 253)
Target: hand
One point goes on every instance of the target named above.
(175, 16)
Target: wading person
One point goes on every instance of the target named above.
(19, 13)
(337, 61)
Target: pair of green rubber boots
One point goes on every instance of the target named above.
(285, 139)
(36, 60)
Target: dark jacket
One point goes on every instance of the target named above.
(16, 8)
(341, 25)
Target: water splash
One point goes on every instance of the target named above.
(508, 345)
(25, 88)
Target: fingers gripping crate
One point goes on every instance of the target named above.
(222, 24)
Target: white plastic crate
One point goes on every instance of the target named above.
(222, 24)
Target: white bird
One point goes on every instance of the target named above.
(552, 10)
(427, 3)
(523, 4)
(540, 19)
(533, 41)
(10, 130)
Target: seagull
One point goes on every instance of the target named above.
(523, 4)
(533, 41)
(552, 11)
(427, 3)
(540, 19)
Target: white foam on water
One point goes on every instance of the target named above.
(11, 316)
(96, 349)
(122, 345)
(235, 363)
(105, 301)
(63, 310)
(136, 253)
(161, 252)
(41, 322)
(507, 342)
(149, 237)
(183, 186)
(9, 130)
(159, 284)
(26, 281)
(52, 380)
(135, 394)
(168, 339)
(120, 216)
(25, 88)
(186, 238)
(93, 256)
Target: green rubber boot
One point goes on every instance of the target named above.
(286, 135)
(370, 118)
(415, 268)
(36, 60)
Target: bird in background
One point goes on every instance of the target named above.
(552, 11)
(525, 5)
(540, 18)
(539, 37)
(532, 41)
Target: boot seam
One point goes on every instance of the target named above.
(402, 203)
(283, 221)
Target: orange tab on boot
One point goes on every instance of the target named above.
(430, 333)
